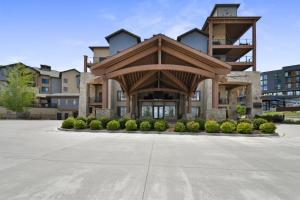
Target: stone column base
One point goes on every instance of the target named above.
(104, 112)
(215, 114)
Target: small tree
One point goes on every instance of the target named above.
(19, 93)
(241, 110)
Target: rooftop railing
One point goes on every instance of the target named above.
(247, 59)
(232, 42)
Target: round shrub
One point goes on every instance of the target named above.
(95, 125)
(104, 120)
(160, 125)
(68, 123)
(113, 125)
(145, 126)
(184, 121)
(227, 127)
(82, 118)
(211, 126)
(268, 127)
(123, 122)
(89, 119)
(201, 124)
(130, 125)
(245, 120)
(244, 128)
(192, 126)
(257, 122)
(79, 124)
(179, 127)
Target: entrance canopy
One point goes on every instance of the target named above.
(160, 64)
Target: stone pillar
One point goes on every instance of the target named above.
(189, 108)
(105, 93)
(254, 46)
(127, 103)
(215, 94)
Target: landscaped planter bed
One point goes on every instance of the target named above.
(244, 127)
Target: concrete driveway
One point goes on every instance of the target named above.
(39, 162)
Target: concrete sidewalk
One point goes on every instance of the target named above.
(39, 162)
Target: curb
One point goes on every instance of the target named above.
(171, 133)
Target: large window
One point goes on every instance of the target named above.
(122, 111)
(65, 80)
(45, 89)
(65, 89)
(195, 111)
(146, 111)
(45, 81)
(264, 82)
(120, 96)
(170, 111)
(196, 96)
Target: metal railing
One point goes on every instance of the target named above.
(232, 41)
(225, 58)
(95, 100)
(93, 60)
(45, 105)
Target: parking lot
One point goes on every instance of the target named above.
(39, 162)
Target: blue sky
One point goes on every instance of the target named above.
(58, 32)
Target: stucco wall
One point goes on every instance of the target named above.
(72, 83)
(55, 85)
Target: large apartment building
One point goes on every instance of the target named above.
(281, 89)
(57, 92)
(204, 73)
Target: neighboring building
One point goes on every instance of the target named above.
(55, 91)
(281, 89)
(202, 74)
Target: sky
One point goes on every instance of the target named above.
(59, 32)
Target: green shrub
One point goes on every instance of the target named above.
(104, 120)
(145, 126)
(179, 127)
(79, 124)
(131, 125)
(228, 127)
(290, 121)
(95, 125)
(138, 122)
(82, 118)
(229, 120)
(123, 122)
(192, 126)
(89, 119)
(184, 121)
(113, 125)
(276, 118)
(245, 120)
(68, 123)
(201, 123)
(211, 126)
(268, 127)
(160, 125)
(241, 110)
(257, 122)
(244, 128)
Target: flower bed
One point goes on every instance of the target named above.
(255, 127)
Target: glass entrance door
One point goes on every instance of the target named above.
(158, 112)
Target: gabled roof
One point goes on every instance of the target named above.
(98, 47)
(19, 63)
(191, 31)
(122, 31)
(51, 73)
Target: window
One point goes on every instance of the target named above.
(121, 111)
(58, 102)
(289, 85)
(65, 89)
(169, 111)
(45, 89)
(196, 96)
(45, 81)
(120, 96)
(289, 93)
(195, 111)
(264, 82)
(65, 80)
(146, 111)
(74, 102)
(297, 92)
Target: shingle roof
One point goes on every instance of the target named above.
(120, 31)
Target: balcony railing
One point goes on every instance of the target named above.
(45, 105)
(93, 60)
(95, 100)
(225, 58)
(223, 101)
(232, 42)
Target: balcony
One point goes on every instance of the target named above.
(94, 60)
(95, 100)
(45, 105)
(239, 42)
(223, 101)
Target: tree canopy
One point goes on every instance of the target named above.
(19, 92)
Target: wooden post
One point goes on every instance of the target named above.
(105, 93)
(215, 93)
(189, 110)
(85, 58)
(159, 50)
(127, 102)
(254, 46)
(210, 38)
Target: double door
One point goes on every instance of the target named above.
(158, 112)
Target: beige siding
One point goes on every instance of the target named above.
(71, 84)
